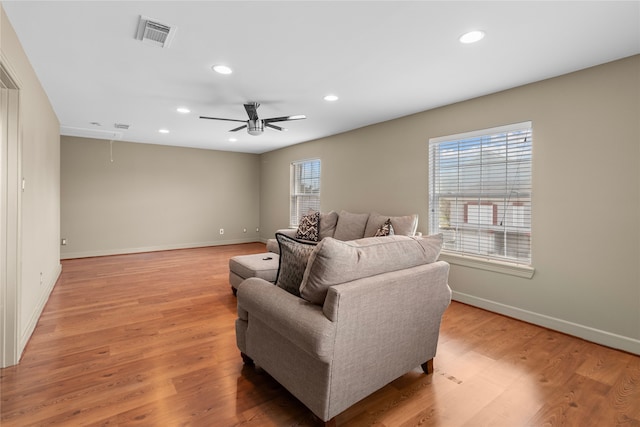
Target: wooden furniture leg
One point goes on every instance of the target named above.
(246, 359)
(427, 367)
(330, 423)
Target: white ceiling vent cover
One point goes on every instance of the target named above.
(152, 32)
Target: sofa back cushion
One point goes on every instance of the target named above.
(405, 225)
(328, 223)
(333, 262)
(351, 226)
(294, 255)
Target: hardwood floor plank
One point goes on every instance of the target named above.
(624, 394)
(149, 340)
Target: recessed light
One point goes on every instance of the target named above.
(233, 139)
(163, 130)
(471, 37)
(222, 69)
(183, 110)
(331, 98)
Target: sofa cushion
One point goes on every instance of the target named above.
(333, 262)
(404, 225)
(351, 226)
(328, 223)
(308, 226)
(385, 229)
(293, 261)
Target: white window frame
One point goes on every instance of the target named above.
(497, 173)
(304, 189)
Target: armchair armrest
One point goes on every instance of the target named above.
(300, 321)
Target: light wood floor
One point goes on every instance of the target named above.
(148, 340)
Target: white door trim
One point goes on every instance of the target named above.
(10, 214)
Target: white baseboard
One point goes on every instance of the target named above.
(598, 336)
(122, 251)
(32, 322)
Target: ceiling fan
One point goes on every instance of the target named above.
(255, 126)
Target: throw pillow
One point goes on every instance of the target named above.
(385, 229)
(293, 261)
(404, 225)
(308, 227)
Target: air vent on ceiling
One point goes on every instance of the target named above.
(121, 126)
(155, 33)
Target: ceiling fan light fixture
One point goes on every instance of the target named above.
(472, 37)
(255, 127)
(222, 69)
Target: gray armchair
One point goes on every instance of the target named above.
(367, 332)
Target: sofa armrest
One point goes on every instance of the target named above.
(300, 321)
(291, 232)
(272, 244)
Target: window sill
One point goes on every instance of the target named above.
(489, 265)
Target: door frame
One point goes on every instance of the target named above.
(10, 214)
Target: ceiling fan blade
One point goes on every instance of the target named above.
(274, 126)
(285, 118)
(238, 128)
(252, 110)
(218, 118)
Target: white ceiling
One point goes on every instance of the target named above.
(384, 59)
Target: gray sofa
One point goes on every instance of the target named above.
(351, 226)
(369, 311)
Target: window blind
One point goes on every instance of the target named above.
(305, 189)
(480, 192)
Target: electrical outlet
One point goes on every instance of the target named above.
(244, 230)
(222, 231)
(257, 230)
(63, 242)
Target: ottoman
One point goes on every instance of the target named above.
(264, 266)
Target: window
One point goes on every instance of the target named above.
(480, 193)
(305, 189)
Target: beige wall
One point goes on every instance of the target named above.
(39, 203)
(154, 197)
(586, 241)
(586, 195)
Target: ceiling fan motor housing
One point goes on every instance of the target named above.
(255, 127)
